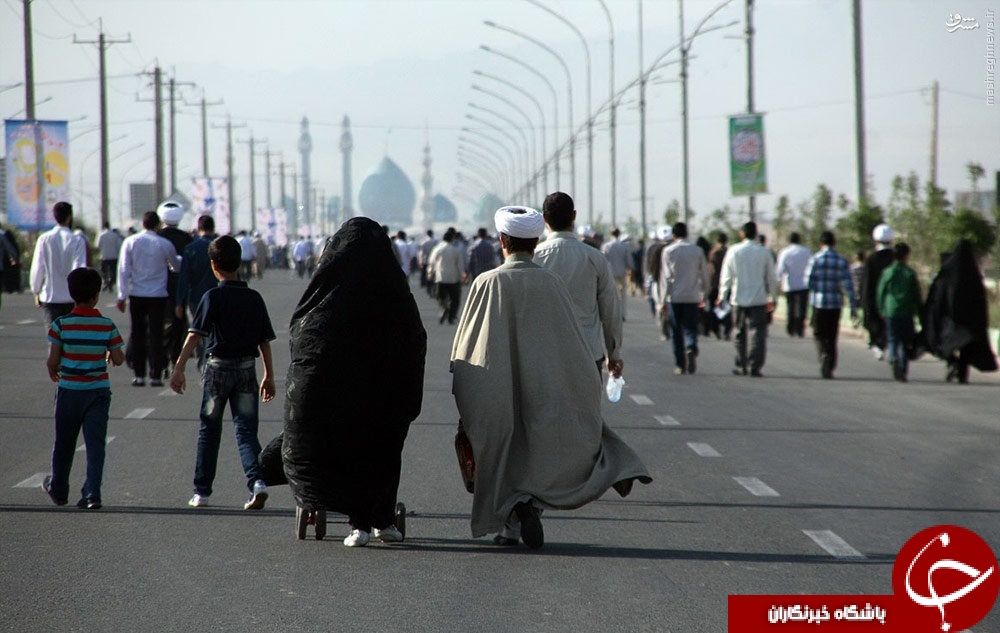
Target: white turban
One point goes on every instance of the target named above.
(170, 212)
(883, 234)
(665, 233)
(520, 222)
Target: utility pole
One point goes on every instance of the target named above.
(102, 45)
(229, 169)
(752, 202)
(684, 114)
(289, 213)
(253, 180)
(158, 126)
(29, 72)
(294, 211)
(204, 129)
(859, 106)
(934, 134)
(267, 168)
(173, 83)
(642, 128)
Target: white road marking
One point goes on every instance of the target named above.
(641, 399)
(703, 450)
(83, 447)
(26, 322)
(667, 420)
(833, 544)
(166, 393)
(138, 414)
(756, 487)
(35, 481)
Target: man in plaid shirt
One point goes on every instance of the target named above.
(829, 277)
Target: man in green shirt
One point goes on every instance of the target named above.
(898, 300)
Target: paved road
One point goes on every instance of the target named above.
(787, 484)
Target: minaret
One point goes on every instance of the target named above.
(427, 195)
(346, 146)
(305, 149)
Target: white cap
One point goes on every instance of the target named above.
(170, 212)
(520, 222)
(883, 234)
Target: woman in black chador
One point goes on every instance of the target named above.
(956, 315)
(355, 382)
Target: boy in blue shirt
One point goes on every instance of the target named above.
(234, 321)
(81, 343)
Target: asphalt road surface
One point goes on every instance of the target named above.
(785, 484)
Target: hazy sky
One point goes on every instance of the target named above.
(402, 70)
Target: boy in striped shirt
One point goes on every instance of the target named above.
(81, 343)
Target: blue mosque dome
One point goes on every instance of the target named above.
(488, 205)
(444, 210)
(387, 196)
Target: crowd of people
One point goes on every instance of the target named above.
(542, 312)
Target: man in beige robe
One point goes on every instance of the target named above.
(528, 396)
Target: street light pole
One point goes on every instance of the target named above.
(642, 128)
(555, 108)
(513, 143)
(541, 115)
(569, 90)
(472, 147)
(612, 104)
(590, 116)
(684, 114)
(528, 175)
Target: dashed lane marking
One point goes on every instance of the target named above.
(35, 481)
(667, 420)
(138, 414)
(166, 393)
(703, 450)
(641, 399)
(26, 322)
(756, 487)
(83, 447)
(833, 544)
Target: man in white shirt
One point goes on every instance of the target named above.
(247, 257)
(447, 265)
(588, 277)
(424, 253)
(748, 282)
(685, 282)
(407, 251)
(142, 279)
(301, 252)
(792, 263)
(57, 253)
(109, 243)
(619, 254)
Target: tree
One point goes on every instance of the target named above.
(720, 220)
(976, 172)
(783, 220)
(672, 215)
(854, 229)
(970, 225)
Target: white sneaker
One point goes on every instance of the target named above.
(388, 534)
(198, 501)
(357, 538)
(258, 497)
(878, 353)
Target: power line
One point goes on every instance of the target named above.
(85, 25)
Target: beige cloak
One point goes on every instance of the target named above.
(529, 396)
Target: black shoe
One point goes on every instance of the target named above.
(504, 541)
(47, 487)
(89, 503)
(155, 382)
(531, 525)
(691, 365)
(739, 371)
(138, 382)
(756, 374)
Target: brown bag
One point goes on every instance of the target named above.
(466, 460)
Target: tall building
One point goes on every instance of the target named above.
(427, 193)
(305, 150)
(346, 146)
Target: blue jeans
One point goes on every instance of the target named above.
(233, 382)
(684, 330)
(78, 409)
(899, 333)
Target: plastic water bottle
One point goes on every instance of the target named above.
(614, 388)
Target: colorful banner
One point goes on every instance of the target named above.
(748, 169)
(210, 196)
(273, 226)
(26, 209)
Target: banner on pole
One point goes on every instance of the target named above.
(210, 196)
(28, 204)
(273, 225)
(747, 164)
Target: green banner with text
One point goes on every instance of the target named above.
(748, 168)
